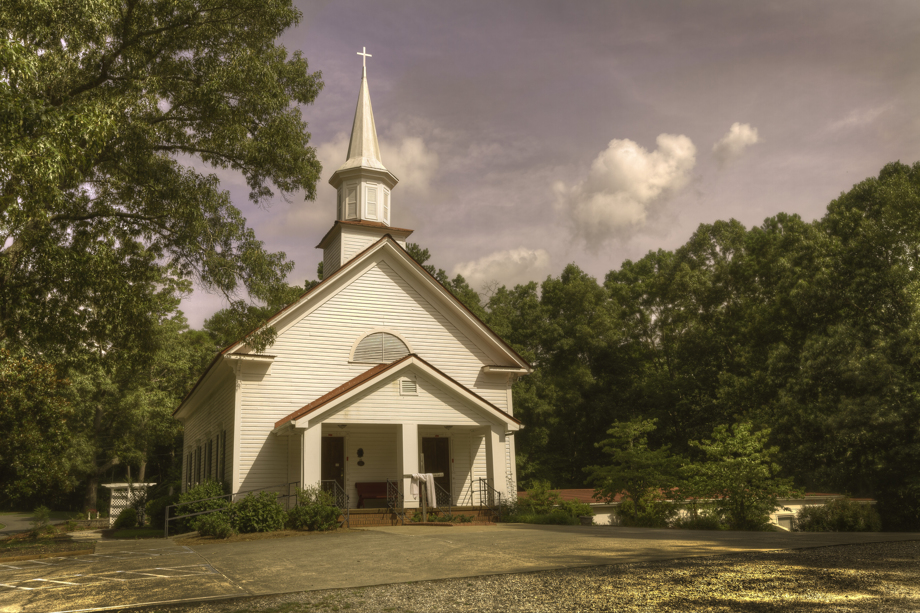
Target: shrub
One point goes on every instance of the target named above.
(126, 519)
(315, 510)
(216, 524)
(575, 508)
(540, 500)
(651, 511)
(555, 517)
(838, 515)
(704, 520)
(260, 513)
(40, 519)
(202, 491)
(156, 509)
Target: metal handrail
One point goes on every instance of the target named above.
(339, 497)
(443, 497)
(490, 497)
(394, 502)
(230, 495)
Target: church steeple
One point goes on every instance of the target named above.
(363, 183)
(363, 186)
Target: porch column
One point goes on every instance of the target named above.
(495, 459)
(408, 461)
(311, 444)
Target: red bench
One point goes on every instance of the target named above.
(371, 490)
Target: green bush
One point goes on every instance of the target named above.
(216, 524)
(126, 519)
(539, 500)
(555, 517)
(315, 510)
(575, 508)
(652, 511)
(207, 489)
(40, 518)
(258, 513)
(156, 510)
(702, 520)
(839, 515)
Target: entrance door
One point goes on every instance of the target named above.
(332, 466)
(436, 452)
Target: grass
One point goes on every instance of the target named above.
(27, 547)
(553, 519)
(2, 526)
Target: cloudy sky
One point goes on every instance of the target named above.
(527, 135)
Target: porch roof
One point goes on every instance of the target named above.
(371, 376)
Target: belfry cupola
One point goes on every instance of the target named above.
(363, 187)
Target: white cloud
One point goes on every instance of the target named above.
(410, 159)
(624, 185)
(509, 268)
(858, 118)
(738, 138)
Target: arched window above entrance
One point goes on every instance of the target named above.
(379, 348)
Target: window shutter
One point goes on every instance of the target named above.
(351, 203)
(371, 202)
(386, 206)
(380, 347)
(338, 204)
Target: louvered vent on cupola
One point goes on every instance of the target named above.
(380, 347)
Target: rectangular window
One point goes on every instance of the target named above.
(208, 463)
(223, 455)
(371, 202)
(351, 202)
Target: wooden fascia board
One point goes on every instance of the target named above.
(458, 390)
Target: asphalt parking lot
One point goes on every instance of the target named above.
(131, 573)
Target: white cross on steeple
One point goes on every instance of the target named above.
(366, 55)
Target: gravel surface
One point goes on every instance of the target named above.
(865, 578)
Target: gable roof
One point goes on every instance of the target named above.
(385, 240)
(370, 377)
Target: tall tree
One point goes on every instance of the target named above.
(110, 110)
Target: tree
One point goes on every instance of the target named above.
(740, 474)
(110, 109)
(456, 286)
(38, 430)
(643, 476)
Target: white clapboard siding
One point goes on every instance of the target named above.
(462, 466)
(214, 415)
(312, 359)
(432, 405)
(509, 475)
(332, 255)
(356, 242)
(478, 457)
(380, 461)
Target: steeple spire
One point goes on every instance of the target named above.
(363, 149)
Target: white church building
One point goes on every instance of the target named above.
(374, 372)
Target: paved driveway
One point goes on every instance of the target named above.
(157, 571)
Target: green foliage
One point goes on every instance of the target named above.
(553, 518)
(156, 509)
(258, 513)
(575, 508)
(126, 519)
(40, 518)
(838, 515)
(200, 498)
(636, 472)
(315, 510)
(216, 524)
(38, 423)
(706, 519)
(648, 510)
(741, 475)
(540, 499)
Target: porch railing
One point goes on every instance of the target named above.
(394, 500)
(339, 498)
(443, 498)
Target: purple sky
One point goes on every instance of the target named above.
(527, 135)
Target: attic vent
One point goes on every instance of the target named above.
(380, 347)
(408, 387)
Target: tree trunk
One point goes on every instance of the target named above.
(142, 472)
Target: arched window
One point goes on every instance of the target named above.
(380, 347)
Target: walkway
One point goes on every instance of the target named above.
(123, 573)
